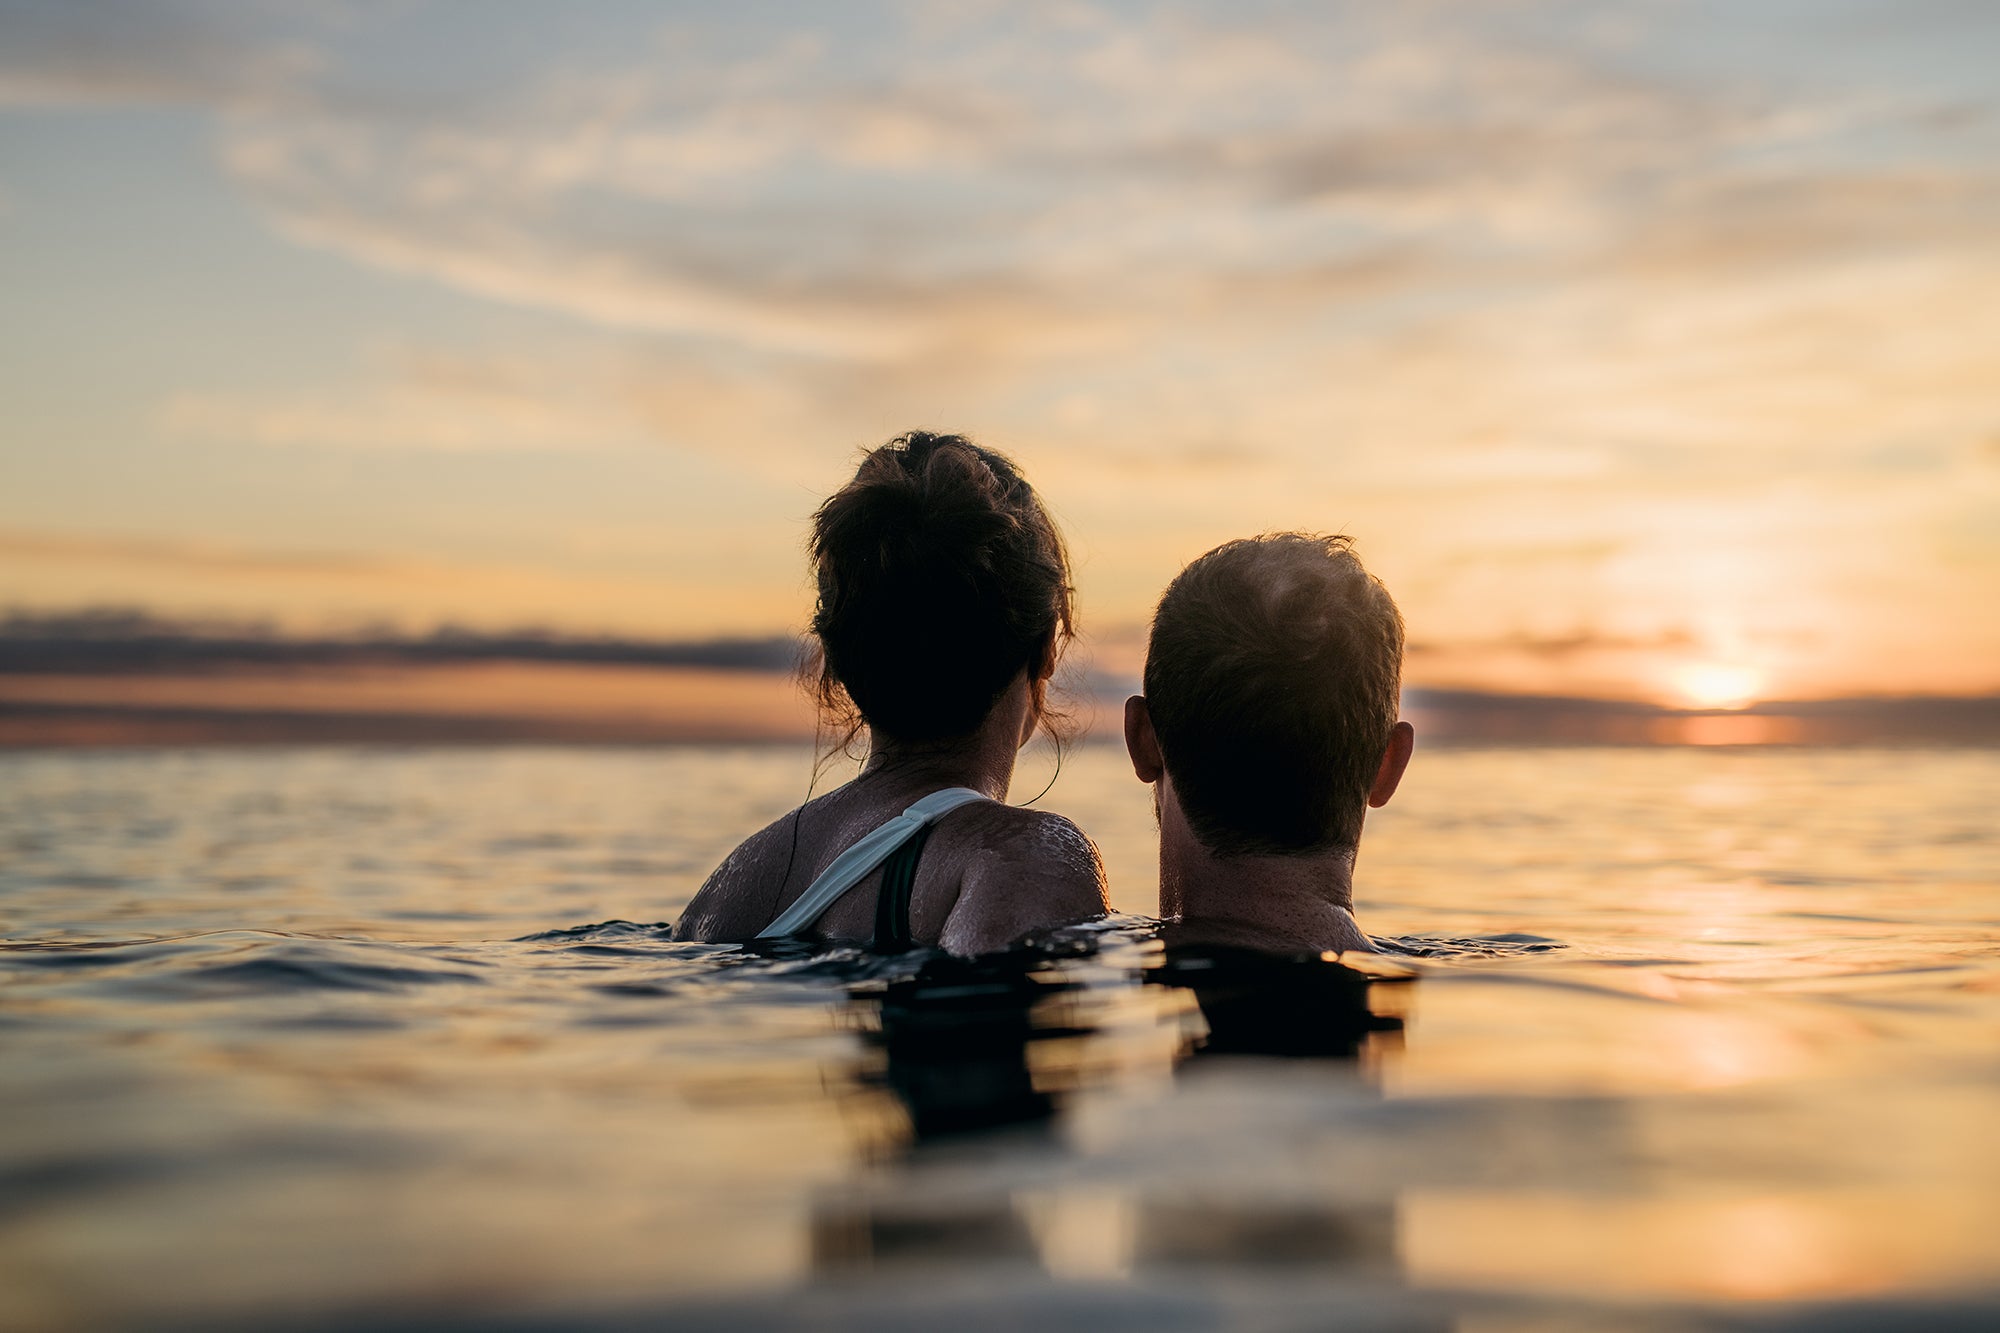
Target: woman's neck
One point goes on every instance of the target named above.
(983, 760)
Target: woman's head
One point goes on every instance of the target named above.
(941, 579)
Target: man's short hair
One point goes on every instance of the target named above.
(1272, 676)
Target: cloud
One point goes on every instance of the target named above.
(604, 284)
(207, 53)
(1571, 644)
(1023, 190)
(202, 557)
(978, 198)
(433, 400)
(599, 580)
(110, 642)
(1397, 251)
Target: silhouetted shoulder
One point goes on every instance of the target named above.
(1031, 870)
(991, 874)
(740, 897)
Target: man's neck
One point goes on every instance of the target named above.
(1281, 904)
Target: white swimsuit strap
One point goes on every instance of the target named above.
(853, 865)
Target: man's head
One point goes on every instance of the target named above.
(1271, 690)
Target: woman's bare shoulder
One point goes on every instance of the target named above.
(1030, 870)
(739, 898)
(1015, 836)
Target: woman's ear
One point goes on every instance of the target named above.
(1140, 741)
(1046, 662)
(1039, 671)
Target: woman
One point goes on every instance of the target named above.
(944, 602)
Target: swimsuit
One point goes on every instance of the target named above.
(895, 846)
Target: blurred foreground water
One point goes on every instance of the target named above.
(318, 1038)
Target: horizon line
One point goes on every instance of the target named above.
(119, 641)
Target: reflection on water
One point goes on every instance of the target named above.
(1254, 1004)
(954, 1041)
(951, 1046)
(1694, 1039)
(954, 1046)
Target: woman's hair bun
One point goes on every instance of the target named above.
(940, 578)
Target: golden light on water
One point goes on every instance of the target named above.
(1755, 1247)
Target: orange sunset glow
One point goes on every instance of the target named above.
(1642, 365)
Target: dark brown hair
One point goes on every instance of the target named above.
(940, 577)
(1272, 676)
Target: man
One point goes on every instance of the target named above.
(1267, 727)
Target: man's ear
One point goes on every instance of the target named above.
(1402, 743)
(1140, 741)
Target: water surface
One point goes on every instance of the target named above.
(1670, 1038)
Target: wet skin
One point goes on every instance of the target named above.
(990, 872)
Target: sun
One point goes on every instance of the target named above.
(1718, 685)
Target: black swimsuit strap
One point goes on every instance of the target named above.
(892, 904)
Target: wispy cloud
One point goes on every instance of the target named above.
(1561, 645)
(984, 201)
(1017, 187)
(205, 557)
(115, 642)
(312, 589)
(1648, 311)
(206, 53)
(427, 400)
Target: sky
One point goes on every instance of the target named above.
(1648, 350)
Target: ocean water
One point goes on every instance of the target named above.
(319, 1038)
